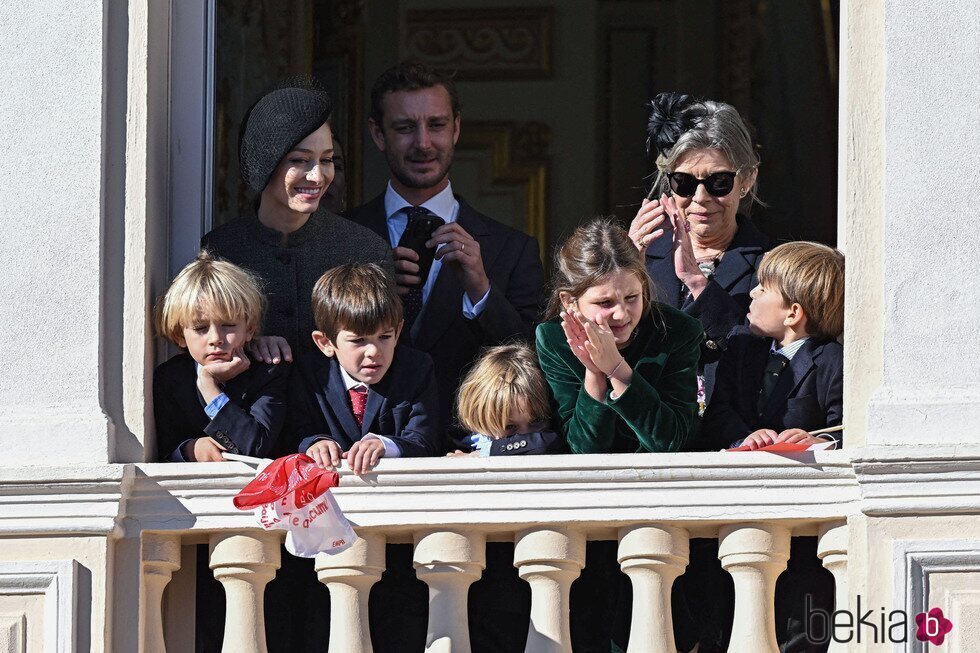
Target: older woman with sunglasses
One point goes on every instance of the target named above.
(701, 248)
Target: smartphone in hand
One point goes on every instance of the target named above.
(417, 233)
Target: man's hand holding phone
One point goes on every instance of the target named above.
(461, 251)
(413, 258)
(406, 269)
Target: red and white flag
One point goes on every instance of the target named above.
(292, 493)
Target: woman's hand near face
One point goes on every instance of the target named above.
(685, 263)
(644, 228)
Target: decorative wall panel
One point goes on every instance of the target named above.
(482, 44)
(54, 582)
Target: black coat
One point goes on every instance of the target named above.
(249, 424)
(512, 263)
(809, 394)
(724, 303)
(289, 270)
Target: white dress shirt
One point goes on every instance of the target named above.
(789, 350)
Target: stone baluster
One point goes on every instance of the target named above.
(349, 576)
(653, 557)
(449, 562)
(755, 555)
(549, 560)
(244, 563)
(160, 557)
(832, 550)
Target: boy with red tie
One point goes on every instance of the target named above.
(368, 397)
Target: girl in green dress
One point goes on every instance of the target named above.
(622, 368)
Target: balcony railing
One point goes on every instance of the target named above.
(549, 506)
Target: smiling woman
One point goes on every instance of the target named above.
(286, 237)
(701, 248)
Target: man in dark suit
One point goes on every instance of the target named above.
(485, 285)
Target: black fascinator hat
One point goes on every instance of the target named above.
(275, 124)
(671, 114)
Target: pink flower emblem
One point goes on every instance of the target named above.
(932, 626)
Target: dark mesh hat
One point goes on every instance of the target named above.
(274, 125)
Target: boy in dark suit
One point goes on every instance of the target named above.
(212, 398)
(368, 397)
(783, 375)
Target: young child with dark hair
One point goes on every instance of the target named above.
(782, 375)
(367, 397)
(212, 398)
(504, 404)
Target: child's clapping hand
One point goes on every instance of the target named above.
(573, 323)
(593, 343)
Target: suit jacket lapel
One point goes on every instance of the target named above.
(238, 387)
(790, 380)
(743, 251)
(445, 302)
(374, 402)
(334, 392)
(733, 266)
(660, 264)
(372, 216)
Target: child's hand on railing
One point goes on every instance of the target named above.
(460, 454)
(203, 450)
(326, 453)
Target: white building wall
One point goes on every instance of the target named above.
(931, 377)
(51, 185)
(82, 207)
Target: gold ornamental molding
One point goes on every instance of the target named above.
(518, 156)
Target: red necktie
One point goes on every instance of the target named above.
(358, 400)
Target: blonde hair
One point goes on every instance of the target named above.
(355, 297)
(811, 275)
(504, 377)
(212, 287)
(596, 249)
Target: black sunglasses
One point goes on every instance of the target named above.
(717, 184)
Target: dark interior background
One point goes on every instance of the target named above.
(553, 95)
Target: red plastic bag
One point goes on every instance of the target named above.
(292, 493)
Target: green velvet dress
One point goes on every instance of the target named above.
(656, 413)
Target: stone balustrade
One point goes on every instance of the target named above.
(549, 507)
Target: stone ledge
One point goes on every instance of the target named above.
(80, 500)
(699, 491)
(912, 480)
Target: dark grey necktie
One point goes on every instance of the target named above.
(777, 363)
(412, 302)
